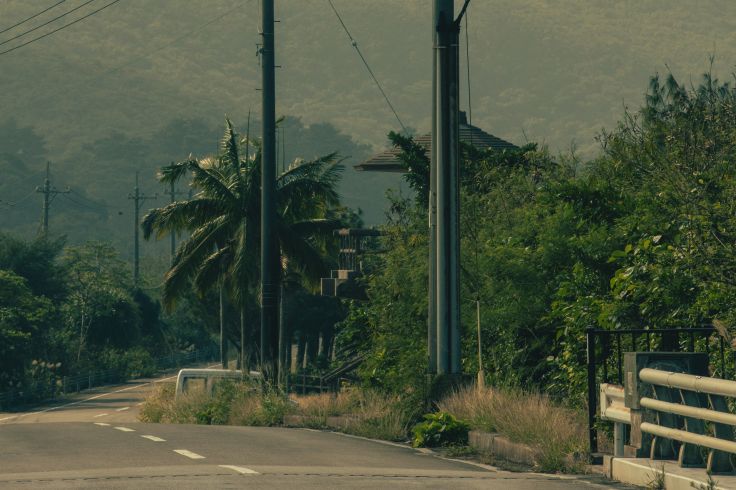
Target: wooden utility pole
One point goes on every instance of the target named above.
(269, 245)
(49, 192)
(138, 200)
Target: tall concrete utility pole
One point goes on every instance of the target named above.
(269, 246)
(49, 192)
(432, 210)
(138, 200)
(446, 152)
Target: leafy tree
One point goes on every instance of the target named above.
(24, 318)
(99, 307)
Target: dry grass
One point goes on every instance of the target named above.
(232, 403)
(369, 414)
(557, 433)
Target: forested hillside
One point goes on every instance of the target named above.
(144, 83)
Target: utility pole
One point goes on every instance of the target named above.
(432, 211)
(447, 184)
(138, 200)
(269, 246)
(49, 192)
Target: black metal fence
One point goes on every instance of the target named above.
(605, 349)
(59, 386)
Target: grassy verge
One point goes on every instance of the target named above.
(557, 433)
(367, 414)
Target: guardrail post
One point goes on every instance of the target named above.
(719, 461)
(592, 430)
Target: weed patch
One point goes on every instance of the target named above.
(556, 433)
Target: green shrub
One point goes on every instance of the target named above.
(440, 429)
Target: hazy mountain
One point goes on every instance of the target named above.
(143, 83)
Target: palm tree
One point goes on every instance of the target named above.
(223, 218)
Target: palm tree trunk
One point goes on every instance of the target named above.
(300, 350)
(243, 363)
(283, 341)
(222, 325)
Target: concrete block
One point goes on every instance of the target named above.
(501, 447)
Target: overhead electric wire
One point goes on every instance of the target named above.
(15, 203)
(96, 208)
(367, 66)
(92, 202)
(60, 28)
(46, 23)
(32, 16)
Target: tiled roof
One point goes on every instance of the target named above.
(388, 161)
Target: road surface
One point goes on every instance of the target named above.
(95, 441)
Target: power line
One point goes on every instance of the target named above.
(78, 203)
(15, 203)
(60, 28)
(32, 16)
(367, 66)
(46, 23)
(93, 202)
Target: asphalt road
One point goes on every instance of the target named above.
(95, 441)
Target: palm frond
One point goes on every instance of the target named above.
(190, 255)
(181, 216)
(229, 146)
(174, 172)
(303, 256)
(211, 269)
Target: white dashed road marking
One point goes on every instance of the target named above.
(188, 454)
(99, 415)
(240, 469)
(122, 409)
(154, 438)
(125, 429)
(102, 424)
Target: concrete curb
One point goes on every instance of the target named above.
(502, 447)
(336, 423)
(643, 471)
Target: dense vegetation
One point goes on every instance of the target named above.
(642, 236)
(70, 310)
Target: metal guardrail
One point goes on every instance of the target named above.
(209, 377)
(605, 354)
(614, 409)
(57, 387)
(702, 399)
(685, 414)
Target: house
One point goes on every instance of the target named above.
(389, 161)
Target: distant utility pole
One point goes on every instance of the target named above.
(138, 200)
(49, 192)
(269, 245)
